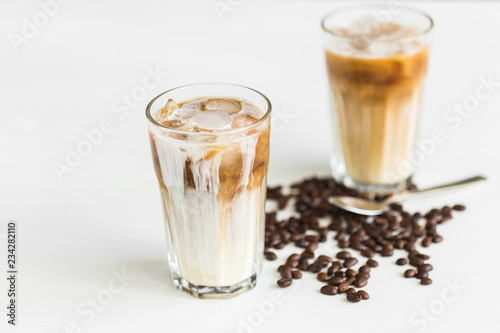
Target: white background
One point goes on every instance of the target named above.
(105, 215)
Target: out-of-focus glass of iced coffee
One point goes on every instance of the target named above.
(376, 59)
(210, 145)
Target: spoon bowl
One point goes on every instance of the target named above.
(370, 208)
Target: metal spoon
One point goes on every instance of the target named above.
(367, 207)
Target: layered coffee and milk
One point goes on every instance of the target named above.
(376, 79)
(211, 157)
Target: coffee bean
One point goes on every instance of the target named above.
(409, 273)
(412, 187)
(367, 253)
(292, 263)
(350, 272)
(343, 244)
(386, 253)
(312, 247)
(349, 262)
(286, 272)
(270, 256)
(354, 298)
(338, 263)
(459, 208)
(427, 241)
(350, 291)
(322, 276)
(350, 280)
(359, 283)
(437, 239)
(335, 281)
(422, 256)
(363, 275)
(372, 263)
(363, 294)
(341, 235)
(422, 274)
(294, 257)
(364, 269)
(380, 221)
(328, 290)
(303, 265)
(400, 244)
(425, 267)
(343, 286)
(307, 254)
(325, 258)
(332, 269)
(285, 282)
(401, 262)
(396, 207)
(322, 263)
(426, 281)
(446, 210)
(296, 274)
(314, 268)
(415, 261)
(311, 238)
(343, 255)
(340, 273)
(410, 246)
(279, 246)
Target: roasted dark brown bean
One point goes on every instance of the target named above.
(349, 262)
(350, 291)
(401, 262)
(364, 269)
(409, 273)
(343, 286)
(296, 274)
(343, 255)
(354, 298)
(363, 294)
(359, 283)
(270, 256)
(335, 281)
(285, 282)
(329, 290)
(322, 277)
(425, 281)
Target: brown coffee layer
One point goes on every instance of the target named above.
(376, 103)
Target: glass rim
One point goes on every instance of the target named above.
(378, 6)
(224, 133)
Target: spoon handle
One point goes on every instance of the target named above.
(437, 189)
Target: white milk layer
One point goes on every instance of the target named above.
(216, 239)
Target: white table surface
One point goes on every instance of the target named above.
(104, 217)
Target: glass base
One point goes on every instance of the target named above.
(374, 188)
(214, 292)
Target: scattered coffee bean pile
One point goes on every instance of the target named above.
(393, 229)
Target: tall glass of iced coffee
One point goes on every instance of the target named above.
(376, 59)
(210, 145)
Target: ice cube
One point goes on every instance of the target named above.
(195, 105)
(251, 110)
(243, 120)
(212, 120)
(222, 104)
(167, 111)
(171, 123)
